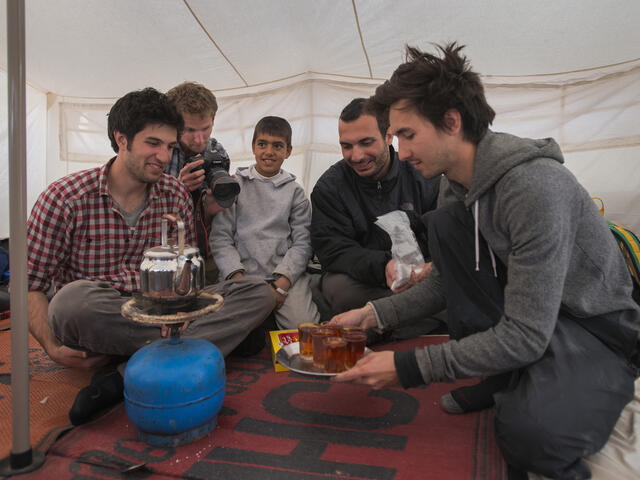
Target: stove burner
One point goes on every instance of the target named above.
(145, 310)
(160, 306)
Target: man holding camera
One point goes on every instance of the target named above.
(199, 160)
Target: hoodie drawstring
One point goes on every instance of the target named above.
(477, 242)
(475, 218)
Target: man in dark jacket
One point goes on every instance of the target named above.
(538, 295)
(355, 254)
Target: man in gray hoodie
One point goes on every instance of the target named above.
(538, 294)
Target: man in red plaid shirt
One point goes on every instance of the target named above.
(86, 237)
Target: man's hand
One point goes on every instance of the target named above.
(37, 306)
(279, 298)
(390, 272)
(70, 357)
(192, 175)
(283, 283)
(165, 330)
(418, 274)
(364, 318)
(377, 370)
(211, 207)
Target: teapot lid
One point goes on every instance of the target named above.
(190, 251)
(161, 252)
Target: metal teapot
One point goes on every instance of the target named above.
(171, 274)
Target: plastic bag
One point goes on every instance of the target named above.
(404, 246)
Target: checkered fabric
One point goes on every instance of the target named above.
(75, 231)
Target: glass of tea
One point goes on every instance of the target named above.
(334, 354)
(304, 338)
(317, 335)
(346, 330)
(355, 347)
(335, 328)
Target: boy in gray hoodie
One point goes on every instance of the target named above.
(538, 294)
(266, 232)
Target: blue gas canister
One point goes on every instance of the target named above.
(174, 389)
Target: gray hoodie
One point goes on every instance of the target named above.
(266, 231)
(559, 254)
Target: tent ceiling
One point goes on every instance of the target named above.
(104, 48)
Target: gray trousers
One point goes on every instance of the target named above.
(345, 293)
(85, 315)
(298, 307)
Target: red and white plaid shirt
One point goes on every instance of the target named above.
(75, 232)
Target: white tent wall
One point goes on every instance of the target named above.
(311, 105)
(595, 116)
(593, 119)
(37, 178)
(264, 57)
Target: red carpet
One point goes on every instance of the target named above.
(52, 389)
(289, 426)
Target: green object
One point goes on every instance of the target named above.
(630, 246)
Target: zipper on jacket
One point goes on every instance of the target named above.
(379, 194)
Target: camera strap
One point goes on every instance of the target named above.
(202, 235)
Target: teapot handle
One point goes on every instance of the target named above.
(180, 223)
(165, 241)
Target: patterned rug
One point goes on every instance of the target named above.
(285, 426)
(52, 389)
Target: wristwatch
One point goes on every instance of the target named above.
(282, 292)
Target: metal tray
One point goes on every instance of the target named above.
(289, 357)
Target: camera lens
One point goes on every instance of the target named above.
(224, 188)
(223, 191)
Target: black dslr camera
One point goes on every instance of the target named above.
(216, 177)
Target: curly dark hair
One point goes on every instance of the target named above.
(133, 112)
(435, 84)
(276, 126)
(363, 106)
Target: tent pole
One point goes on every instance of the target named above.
(22, 458)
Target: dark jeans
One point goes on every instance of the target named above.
(560, 408)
